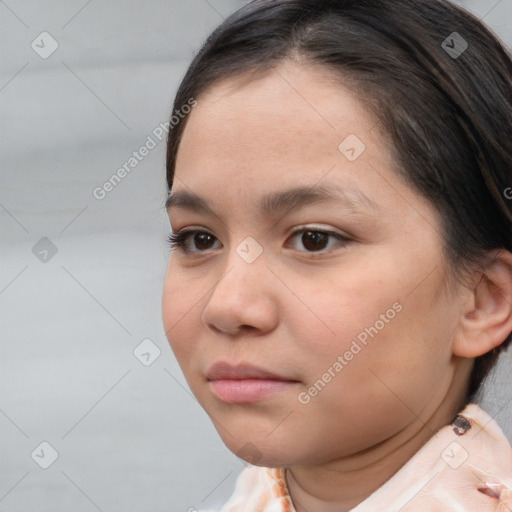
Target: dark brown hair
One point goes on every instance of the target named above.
(437, 79)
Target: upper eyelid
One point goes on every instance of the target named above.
(303, 227)
(187, 232)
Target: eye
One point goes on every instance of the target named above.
(314, 240)
(317, 240)
(180, 240)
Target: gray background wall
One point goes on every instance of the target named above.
(75, 305)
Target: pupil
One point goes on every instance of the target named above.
(203, 243)
(317, 239)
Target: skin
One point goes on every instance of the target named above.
(294, 310)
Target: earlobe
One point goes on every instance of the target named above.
(486, 320)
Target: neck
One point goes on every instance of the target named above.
(342, 484)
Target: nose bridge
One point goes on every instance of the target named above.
(245, 264)
(242, 296)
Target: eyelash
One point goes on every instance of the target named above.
(178, 240)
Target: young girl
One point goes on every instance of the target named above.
(341, 276)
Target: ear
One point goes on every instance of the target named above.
(486, 316)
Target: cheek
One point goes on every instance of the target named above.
(179, 310)
(345, 305)
(369, 316)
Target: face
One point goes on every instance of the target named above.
(342, 299)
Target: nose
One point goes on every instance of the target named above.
(244, 298)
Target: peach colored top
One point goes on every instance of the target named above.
(465, 466)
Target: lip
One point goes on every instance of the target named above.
(225, 370)
(244, 383)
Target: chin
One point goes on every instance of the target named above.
(263, 454)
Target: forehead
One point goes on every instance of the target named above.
(292, 112)
(282, 130)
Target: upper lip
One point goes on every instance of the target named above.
(224, 370)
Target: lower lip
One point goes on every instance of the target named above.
(242, 391)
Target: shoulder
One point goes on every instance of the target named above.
(257, 488)
(465, 466)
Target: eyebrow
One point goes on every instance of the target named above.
(278, 202)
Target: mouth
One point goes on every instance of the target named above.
(245, 383)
